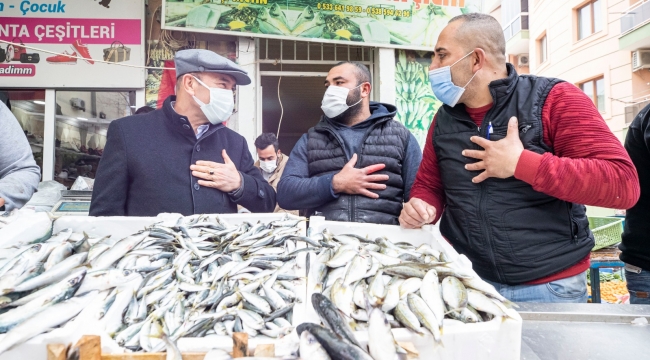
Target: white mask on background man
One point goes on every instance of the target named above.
(220, 106)
(335, 100)
(268, 166)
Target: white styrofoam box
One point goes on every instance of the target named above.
(498, 339)
(120, 227)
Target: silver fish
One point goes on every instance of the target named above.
(341, 258)
(58, 254)
(454, 293)
(432, 295)
(128, 333)
(331, 317)
(56, 293)
(377, 289)
(409, 286)
(425, 315)
(113, 317)
(480, 302)
(56, 273)
(356, 271)
(105, 260)
(406, 317)
(359, 297)
(107, 279)
(332, 344)
(342, 297)
(381, 343)
(310, 348)
(47, 319)
(106, 303)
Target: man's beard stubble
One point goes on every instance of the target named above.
(353, 97)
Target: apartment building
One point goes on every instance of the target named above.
(601, 46)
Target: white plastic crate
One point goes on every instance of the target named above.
(493, 340)
(86, 322)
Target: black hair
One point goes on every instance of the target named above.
(144, 110)
(263, 141)
(360, 71)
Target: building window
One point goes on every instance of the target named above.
(595, 89)
(542, 47)
(589, 19)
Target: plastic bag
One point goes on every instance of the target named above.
(83, 183)
(48, 193)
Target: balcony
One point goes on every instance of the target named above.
(631, 111)
(516, 34)
(635, 28)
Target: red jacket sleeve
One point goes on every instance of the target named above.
(428, 185)
(589, 164)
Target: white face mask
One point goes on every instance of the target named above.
(220, 106)
(335, 100)
(268, 166)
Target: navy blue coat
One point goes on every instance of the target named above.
(145, 169)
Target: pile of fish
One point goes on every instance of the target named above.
(414, 287)
(190, 277)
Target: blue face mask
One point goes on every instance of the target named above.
(443, 88)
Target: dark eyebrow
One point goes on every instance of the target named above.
(440, 49)
(336, 78)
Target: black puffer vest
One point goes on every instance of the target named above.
(511, 233)
(384, 142)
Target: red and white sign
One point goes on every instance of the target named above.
(17, 70)
(72, 43)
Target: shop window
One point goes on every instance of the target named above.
(589, 19)
(28, 106)
(542, 49)
(595, 89)
(82, 121)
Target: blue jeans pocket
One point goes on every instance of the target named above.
(639, 286)
(570, 288)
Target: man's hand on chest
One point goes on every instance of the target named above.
(500, 158)
(224, 177)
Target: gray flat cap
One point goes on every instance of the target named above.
(199, 60)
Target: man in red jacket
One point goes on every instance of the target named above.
(512, 159)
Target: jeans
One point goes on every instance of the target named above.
(638, 284)
(569, 290)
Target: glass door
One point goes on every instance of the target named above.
(82, 120)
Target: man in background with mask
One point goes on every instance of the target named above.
(511, 160)
(182, 158)
(358, 163)
(271, 161)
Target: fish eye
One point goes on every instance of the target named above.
(127, 272)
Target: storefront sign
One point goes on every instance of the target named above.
(411, 24)
(71, 43)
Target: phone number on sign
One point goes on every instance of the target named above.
(358, 9)
(388, 12)
(338, 7)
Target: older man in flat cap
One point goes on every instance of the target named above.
(181, 158)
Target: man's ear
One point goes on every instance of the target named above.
(186, 84)
(479, 58)
(367, 86)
